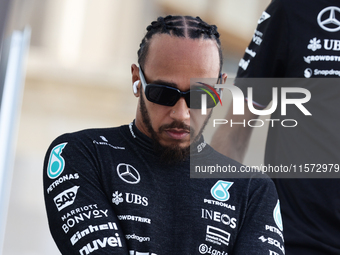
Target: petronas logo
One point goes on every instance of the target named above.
(220, 190)
(56, 163)
(277, 216)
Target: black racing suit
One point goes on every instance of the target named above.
(107, 192)
(301, 39)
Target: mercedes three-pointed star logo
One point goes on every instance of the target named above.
(128, 173)
(327, 19)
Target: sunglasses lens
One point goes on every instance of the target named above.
(161, 95)
(168, 96)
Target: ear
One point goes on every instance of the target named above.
(224, 78)
(135, 78)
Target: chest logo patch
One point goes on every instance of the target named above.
(277, 216)
(56, 162)
(220, 190)
(128, 173)
(328, 19)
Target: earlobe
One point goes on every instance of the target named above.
(135, 79)
(224, 78)
(135, 87)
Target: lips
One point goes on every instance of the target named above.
(177, 134)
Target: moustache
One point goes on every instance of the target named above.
(177, 125)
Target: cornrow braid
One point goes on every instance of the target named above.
(180, 26)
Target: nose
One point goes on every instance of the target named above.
(180, 111)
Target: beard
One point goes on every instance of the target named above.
(170, 154)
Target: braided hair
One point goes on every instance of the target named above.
(180, 26)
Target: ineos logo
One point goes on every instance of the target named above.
(128, 173)
(327, 19)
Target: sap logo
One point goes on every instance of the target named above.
(129, 198)
(97, 244)
(218, 217)
(66, 198)
(220, 190)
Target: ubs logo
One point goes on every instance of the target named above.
(129, 198)
(128, 173)
(328, 19)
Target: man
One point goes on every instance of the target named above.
(297, 38)
(127, 190)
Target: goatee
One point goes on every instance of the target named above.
(171, 154)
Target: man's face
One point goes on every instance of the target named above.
(172, 61)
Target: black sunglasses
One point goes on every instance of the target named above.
(168, 96)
